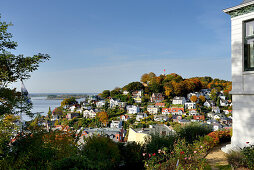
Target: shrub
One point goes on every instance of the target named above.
(131, 155)
(235, 159)
(193, 131)
(248, 156)
(157, 142)
(101, 153)
(220, 136)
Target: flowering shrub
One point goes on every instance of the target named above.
(220, 136)
(248, 156)
(183, 156)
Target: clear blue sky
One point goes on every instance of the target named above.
(101, 44)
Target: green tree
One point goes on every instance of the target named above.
(105, 94)
(69, 101)
(133, 86)
(12, 69)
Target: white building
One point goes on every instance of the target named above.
(132, 109)
(141, 116)
(242, 57)
(179, 100)
(116, 124)
(152, 109)
(190, 105)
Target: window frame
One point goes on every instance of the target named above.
(245, 52)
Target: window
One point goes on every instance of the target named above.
(249, 46)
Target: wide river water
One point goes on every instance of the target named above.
(41, 105)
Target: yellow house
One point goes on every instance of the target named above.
(137, 136)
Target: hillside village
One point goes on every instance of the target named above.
(140, 109)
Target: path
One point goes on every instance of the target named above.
(216, 157)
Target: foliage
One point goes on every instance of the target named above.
(194, 98)
(236, 159)
(248, 156)
(105, 94)
(133, 86)
(182, 156)
(69, 101)
(158, 142)
(220, 136)
(103, 117)
(101, 153)
(193, 131)
(131, 154)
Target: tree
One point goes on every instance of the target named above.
(117, 91)
(133, 86)
(144, 78)
(202, 99)
(12, 69)
(105, 94)
(194, 98)
(69, 101)
(103, 118)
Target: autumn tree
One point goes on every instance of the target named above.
(194, 98)
(144, 78)
(202, 99)
(103, 118)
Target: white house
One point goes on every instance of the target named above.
(215, 109)
(190, 105)
(124, 118)
(242, 57)
(223, 102)
(160, 118)
(89, 114)
(113, 103)
(209, 103)
(141, 116)
(132, 109)
(116, 124)
(100, 104)
(152, 109)
(179, 100)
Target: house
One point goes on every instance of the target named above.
(156, 97)
(125, 92)
(113, 103)
(174, 111)
(227, 112)
(160, 104)
(215, 109)
(179, 100)
(183, 121)
(116, 134)
(193, 112)
(199, 117)
(160, 118)
(190, 105)
(210, 115)
(132, 109)
(100, 104)
(116, 124)
(226, 120)
(137, 96)
(124, 118)
(138, 136)
(223, 102)
(177, 111)
(72, 115)
(209, 103)
(189, 95)
(152, 109)
(217, 117)
(89, 114)
(143, 134)
(122, 104)
(216, 126)
(176, 118)
(141, 116)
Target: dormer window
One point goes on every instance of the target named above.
(249, 46)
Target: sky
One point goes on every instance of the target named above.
(102, 44)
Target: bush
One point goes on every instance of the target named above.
(157, 142)
(101, 153)
(235, 159)
(220, 136)
(248, 155)
(193, 131)
(131, 155)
